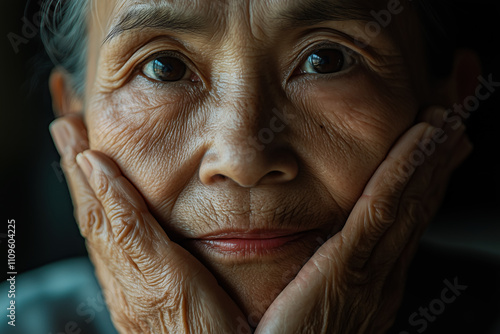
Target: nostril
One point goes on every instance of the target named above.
(273, 167)
(218, 177)
(274, 174)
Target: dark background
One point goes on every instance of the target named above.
(34, 193)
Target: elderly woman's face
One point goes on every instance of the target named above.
(238, 120)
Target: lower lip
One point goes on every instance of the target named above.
(253, 246)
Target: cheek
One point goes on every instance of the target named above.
(353, 122)
(148, 140)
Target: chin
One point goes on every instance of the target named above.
(255, 268)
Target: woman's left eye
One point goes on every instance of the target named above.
(326, 61)
(166, 69)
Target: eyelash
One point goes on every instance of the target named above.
(303, 57)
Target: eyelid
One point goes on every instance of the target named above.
(328, 45)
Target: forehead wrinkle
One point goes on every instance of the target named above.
(162, 14)
(196, 19)
(311, 12)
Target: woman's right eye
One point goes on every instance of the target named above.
(166, 69)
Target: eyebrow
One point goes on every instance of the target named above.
(312, 12)
(305, 13)
(162, 17)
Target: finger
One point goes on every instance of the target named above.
(70, 137)
(377, 208)
(134, 230)
(168, 270)
(443, 153)
(434, 115)
(433, 197)
(133, 255)
(449, 160)
(423, 194)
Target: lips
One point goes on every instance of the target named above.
(254, 243)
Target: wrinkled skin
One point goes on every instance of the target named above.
(167, 162)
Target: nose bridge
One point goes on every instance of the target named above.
(242, 114)
(247, 135)
(246, 101)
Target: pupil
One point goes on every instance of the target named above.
(327, 61)
(169, 69)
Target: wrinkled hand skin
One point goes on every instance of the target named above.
(151, 284)
(352, 284)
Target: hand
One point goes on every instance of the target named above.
(354, 283)
(151, 284)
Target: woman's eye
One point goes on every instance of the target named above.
(166, 69)
(326, 61)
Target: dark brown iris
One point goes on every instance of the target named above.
(327, 61)
(169, 69)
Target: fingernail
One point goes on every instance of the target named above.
(438, 118)
(84, 164)
(60, 134)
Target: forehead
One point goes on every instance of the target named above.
(225, 6)
(207, 14)
(260, 23)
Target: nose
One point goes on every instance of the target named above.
(249, 145)
(247, 166)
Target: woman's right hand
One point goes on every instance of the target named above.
(151, 284)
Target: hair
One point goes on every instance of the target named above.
(64, 35)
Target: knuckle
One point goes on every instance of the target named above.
(382, 213)
(102, 184)
(68, 164)
(90, 219)
(126, 226)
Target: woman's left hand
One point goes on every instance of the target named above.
(354, 283)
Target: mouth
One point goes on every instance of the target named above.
(255, 244)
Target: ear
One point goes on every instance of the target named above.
(64, 99)
(463, 80)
